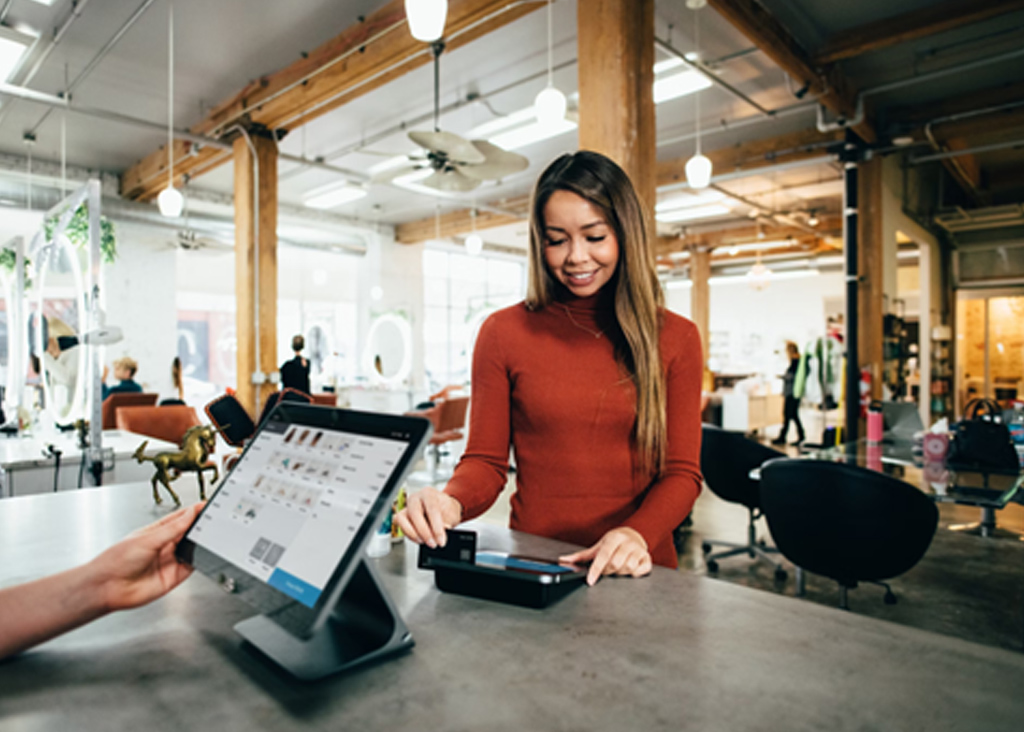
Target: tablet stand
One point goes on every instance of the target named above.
(364, 627)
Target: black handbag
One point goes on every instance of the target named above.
(981, 442)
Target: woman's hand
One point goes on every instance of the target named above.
(426, 516)
(142, 566)
(621, 551)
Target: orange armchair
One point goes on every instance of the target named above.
(162, 423)
(448, 417)
(124, 399)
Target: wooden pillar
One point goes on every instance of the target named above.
(870, 260)
(615, 48)
(700, 293)
(255, 267)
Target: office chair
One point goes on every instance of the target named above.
(847, 523)
(124, 399)
(726, 459)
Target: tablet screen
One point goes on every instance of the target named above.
(298, 504)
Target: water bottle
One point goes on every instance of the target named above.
(380, 542)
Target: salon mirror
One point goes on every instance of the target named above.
(388, 354)
(55, 326)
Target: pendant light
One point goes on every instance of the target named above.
(698, 168)
(170, 199)
(474, 242)
(550, 104)
(426, 18)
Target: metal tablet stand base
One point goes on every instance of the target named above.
(364, 627)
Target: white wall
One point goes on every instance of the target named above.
(749, 328)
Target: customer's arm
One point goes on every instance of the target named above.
(135, 571)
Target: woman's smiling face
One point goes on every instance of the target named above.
(580, 248)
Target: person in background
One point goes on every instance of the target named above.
(177, 396)
(295, 373)
(135, 571)
(590, 380)
(124, 372)
(791, 403)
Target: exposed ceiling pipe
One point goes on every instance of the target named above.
(3, 11)
(77, 6)
(98, 57)
(711, 76)
(729, 125)
(967, 151)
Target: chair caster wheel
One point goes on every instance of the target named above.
(781, 575)
(705, 547)
(712, 566)
(890, 598)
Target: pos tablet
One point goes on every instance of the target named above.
(287, 528)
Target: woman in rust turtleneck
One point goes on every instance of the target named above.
(590, 381)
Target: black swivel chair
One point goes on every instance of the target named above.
(726, 459)
(845, 522)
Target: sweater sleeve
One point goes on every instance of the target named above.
(483, 469)
(670, 498)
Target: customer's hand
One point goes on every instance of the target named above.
(621, 551)
(142, 566)
(427, 514)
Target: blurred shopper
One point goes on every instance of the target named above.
(792, 391)
(295, 373)
(124, 372)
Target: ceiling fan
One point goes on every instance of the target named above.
(458, 164)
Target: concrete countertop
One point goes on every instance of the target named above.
(672, 651)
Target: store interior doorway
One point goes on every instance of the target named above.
(990, 346)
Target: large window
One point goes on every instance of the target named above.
(459, 291)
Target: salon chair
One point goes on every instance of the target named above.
(124, 399)
(845, 522)
(162, 423)
(448, 417)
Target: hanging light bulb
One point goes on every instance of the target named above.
(426, 18)
(170, 202)
(698, 171)
(550, 104)
(170, 199)
(698, 168)
(474, 245)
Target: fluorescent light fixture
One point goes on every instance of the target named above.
(679, 85)
(908, 254)
(484, 131)
(47, 3)
(795, 274)
(693, 213)
(529, 134)
(13, 46)
(426, 18)
(667, 65)
(756, 246)
(333, 195)
(688, 200)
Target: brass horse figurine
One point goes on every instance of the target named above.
(196, 445)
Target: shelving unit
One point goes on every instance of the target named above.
(942, 373)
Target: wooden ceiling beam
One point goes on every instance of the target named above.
(749, 234)
(911, 26)
(361, 59)
(461, 222)
(826, 84)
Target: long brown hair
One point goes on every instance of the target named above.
(638, 295)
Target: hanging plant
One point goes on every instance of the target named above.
(77, 232)
(8, 258)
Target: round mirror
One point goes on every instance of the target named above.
(388, 355)
(55, 328)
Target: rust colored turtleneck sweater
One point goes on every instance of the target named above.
(545, 384)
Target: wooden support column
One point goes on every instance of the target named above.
(615, 48)
(255, 266)
(870, 266)
(700, 293)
